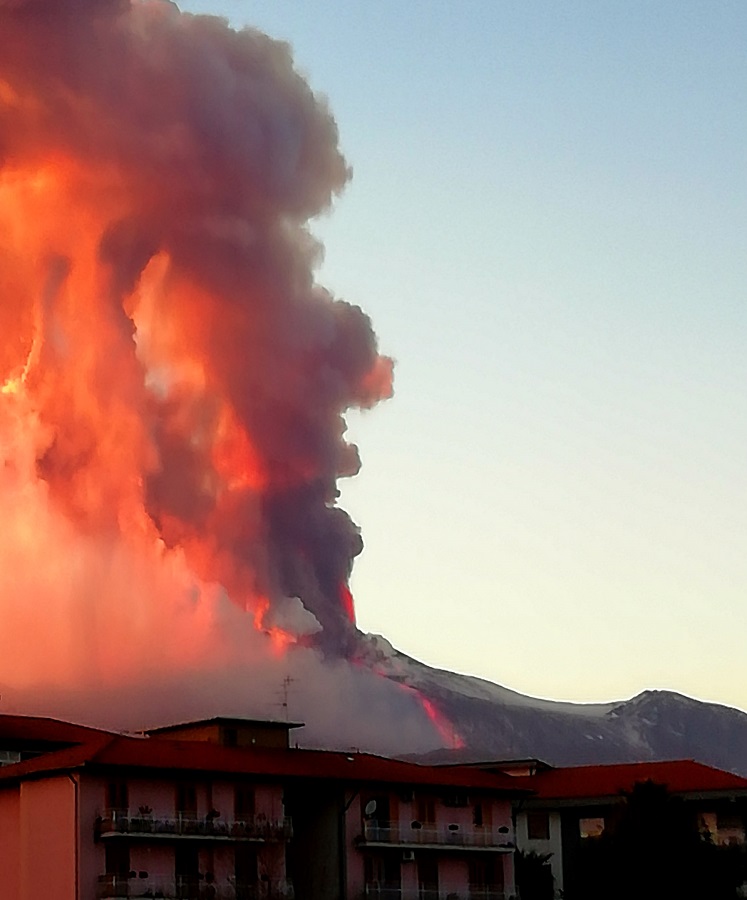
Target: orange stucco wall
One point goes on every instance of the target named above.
(48, 839)
(10, 842)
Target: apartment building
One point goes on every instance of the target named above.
(225, 809)
(571, 805)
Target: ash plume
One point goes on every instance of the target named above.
(174, 380)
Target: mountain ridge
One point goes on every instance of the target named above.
(495, 722)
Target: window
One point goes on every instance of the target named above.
(8, 757)
(426, 810)
(186, 800)
(186, 872)
(709, 823)
(243, 802)
(538, 826)
(117, 796)
(117, 859)
(729, 827)
(383, 870)
(428, 878)
(591, 827)
(485, 874)
(245, 869)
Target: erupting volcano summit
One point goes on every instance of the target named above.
(173, 379)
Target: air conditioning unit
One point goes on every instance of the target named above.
(408, 856)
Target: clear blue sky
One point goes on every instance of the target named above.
(547, 224)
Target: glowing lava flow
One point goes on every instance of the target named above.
(346, 597)
(444, 728)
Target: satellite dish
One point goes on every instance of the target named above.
(370, 808)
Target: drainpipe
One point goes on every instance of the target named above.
(515, 809)
(76, 784)
(343, 843)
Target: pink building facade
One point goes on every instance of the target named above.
(430, 843)
(182, 816)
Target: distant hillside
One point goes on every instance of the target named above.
(497, 723)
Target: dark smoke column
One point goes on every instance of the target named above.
(217, 368)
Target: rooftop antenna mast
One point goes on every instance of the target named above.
(284, 693)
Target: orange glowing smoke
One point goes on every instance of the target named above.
(173, 380)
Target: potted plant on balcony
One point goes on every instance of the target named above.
(210, 818)
(261, 825)
(144, 820)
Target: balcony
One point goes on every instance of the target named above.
(438, 836)
(114, 886)
(376, 892)
(258, 829)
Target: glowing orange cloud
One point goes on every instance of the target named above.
(183, 376)
(173, 379)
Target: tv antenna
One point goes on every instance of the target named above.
(284, 693)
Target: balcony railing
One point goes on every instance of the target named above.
(443, 835)
(258, 828)
(376, 892)
(113, 886)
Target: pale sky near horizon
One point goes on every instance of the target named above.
(547, 225)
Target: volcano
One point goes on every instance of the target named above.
(174, 385)
(494, 722)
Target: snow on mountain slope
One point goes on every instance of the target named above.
(494, 722)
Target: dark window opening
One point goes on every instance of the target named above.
(538, 826)
(426, 810)
(186, 800)
(117, 859)
(245, 869)
(117, 796)
(187, 872)
(244, 802)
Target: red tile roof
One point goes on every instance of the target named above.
(225, 720)
(195, 756)
(37, 730)
(586, 782)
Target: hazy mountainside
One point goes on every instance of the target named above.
(494, 722)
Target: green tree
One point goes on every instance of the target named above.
(652, 849)
(533, 875)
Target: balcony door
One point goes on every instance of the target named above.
(427, 877)
(117, 868)
(377, 816)
(383, 875)
(117, 798)
(485, 877)
(244, 803)
(245, 869)
(186, 872)
(186, 801)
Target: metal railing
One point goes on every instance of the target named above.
(164, 888)
(257, 828)
(447, 835)
(460, 892)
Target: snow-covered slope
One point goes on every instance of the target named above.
(494, 722)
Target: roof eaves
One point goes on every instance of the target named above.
(64, 760)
